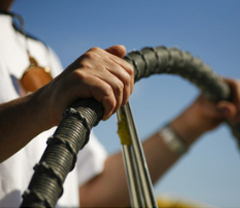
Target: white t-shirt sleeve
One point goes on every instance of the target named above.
(91, 160)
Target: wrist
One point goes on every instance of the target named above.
(40, 105)
(189, 125)
(172, 140)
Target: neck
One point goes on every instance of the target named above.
(6, 5)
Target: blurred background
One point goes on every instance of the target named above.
(209, 29)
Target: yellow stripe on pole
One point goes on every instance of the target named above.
(123, 131)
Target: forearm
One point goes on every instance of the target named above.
(109, 189)
(160, 155)
(20, 121)
(197, 119)
(160, 159)
(189, 126)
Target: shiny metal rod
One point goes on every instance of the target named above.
(137, 165)
(129, 162)
(133, 177)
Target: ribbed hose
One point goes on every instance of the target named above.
(72, 134)
(59, 158)
(161, 60)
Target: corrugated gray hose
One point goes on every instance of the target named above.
(72, 134)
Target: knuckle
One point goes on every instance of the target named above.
(127, 80)
(90, 55)
(85, 63)
(95, 49)
(119, 88)
(79, 75)
(129, 68)
(109, 96)
(108, 91)
(110, 103)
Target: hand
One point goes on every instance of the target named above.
(203, 115)
(101, 74)
(213, 114)
(234, 114)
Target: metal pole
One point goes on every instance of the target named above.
(141, 174)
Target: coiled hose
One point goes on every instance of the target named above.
(46, 185)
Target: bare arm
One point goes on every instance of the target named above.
(101, 74)
(110, 188)
(114, 191)
(20, 121)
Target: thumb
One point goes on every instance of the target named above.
(227, 109)
(117, 50)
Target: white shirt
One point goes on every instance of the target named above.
(16, 172)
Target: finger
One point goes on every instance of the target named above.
(227, 109)
(120, 51)
(126, 79)
(111, 69)
(126, 75)
(101, 91)
(117, 66)
(117, 50)
(117, 86)
(101, 69)
(235, 90)
(129, 77)
(109, 56)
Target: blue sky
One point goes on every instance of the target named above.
(209, 29)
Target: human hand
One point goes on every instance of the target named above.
(212, 114)
(101, 74)
(234, 114)
(204, 115)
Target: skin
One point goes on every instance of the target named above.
(200, 117)
(6, 4)
(104, 75)
(101, 74)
